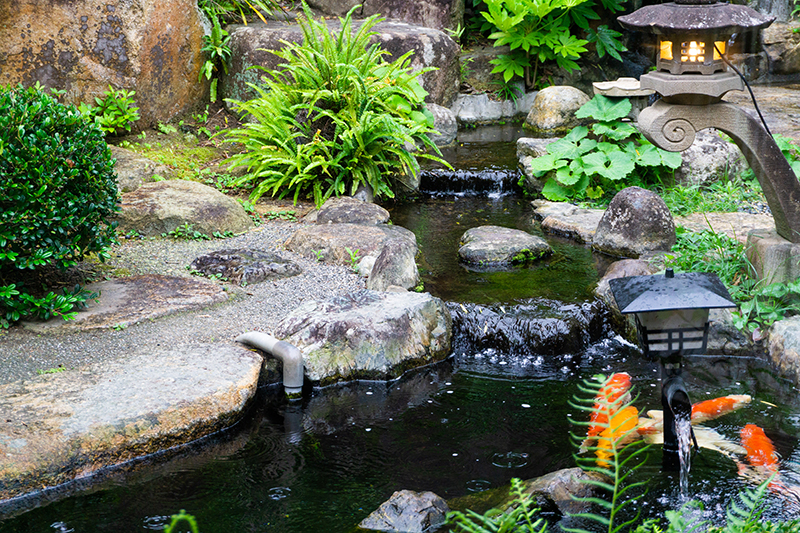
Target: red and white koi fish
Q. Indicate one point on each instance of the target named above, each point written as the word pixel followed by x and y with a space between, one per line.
pixel 711 409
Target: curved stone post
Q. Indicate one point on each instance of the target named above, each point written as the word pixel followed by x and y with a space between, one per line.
pixel 673 127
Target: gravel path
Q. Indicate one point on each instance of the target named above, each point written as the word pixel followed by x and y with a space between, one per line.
pixel 255 307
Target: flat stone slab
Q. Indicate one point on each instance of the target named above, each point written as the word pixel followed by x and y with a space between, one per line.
pixel 245 266
pixel 567 220
pixel 734 225
pixel 58 427
pixel 126 301
pixel 495 246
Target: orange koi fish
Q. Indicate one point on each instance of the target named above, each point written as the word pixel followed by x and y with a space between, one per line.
pixel 760 451
pixel 711 409
pixel 607 401
pixel 620 431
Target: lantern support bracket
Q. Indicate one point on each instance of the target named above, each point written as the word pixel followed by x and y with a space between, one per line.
pixel 673 127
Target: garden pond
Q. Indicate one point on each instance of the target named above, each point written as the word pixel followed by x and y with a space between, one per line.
pixel 457 428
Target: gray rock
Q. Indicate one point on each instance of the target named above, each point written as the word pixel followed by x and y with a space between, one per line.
pixel 251 45
pixel 567 220
pixel 734 225
pixel 408 511
pixel 480 109
pixel 529 149
pixel 560 489
pixel 495 246
pixel 133 170
pixel 160 207
pixel 64 426
pixel 245 266
pixel 710 158
pixel 439 14
pixel 395 265
pixel 774 259
pixel 553 111
pixel 329 242
pixel 782 44
pixel 348 210
pixel 784 347
pixel 152 48
pixel 368 335
pixel 445 124
pixel 126 301
pixel 726 339
pixel 636 221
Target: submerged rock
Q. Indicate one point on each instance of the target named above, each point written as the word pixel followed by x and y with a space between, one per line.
pixel 245 266
pixel 535 327
pixel 368 334
pixel 495 246
pixel 408 511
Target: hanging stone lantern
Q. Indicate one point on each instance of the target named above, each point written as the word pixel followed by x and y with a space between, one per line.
pixel 692 76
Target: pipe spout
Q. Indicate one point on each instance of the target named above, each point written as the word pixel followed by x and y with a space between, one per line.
pixel 677 407
pixel 288 354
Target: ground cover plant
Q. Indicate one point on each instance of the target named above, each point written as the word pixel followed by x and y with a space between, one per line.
pixel 57 191
pixel 605 157
pixel 336 116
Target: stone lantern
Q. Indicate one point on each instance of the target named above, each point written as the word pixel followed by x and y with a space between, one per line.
pixel 692 76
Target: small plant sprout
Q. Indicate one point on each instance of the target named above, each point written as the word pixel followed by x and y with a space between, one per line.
pixel 354 258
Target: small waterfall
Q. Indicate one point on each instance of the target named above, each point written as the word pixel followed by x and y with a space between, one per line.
pixel 492 182
pixel 683 428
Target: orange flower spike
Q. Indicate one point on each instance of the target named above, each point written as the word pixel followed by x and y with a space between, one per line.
pixel 618 385
pixel 760 450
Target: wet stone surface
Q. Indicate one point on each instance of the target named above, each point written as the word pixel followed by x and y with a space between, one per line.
pixel 245 266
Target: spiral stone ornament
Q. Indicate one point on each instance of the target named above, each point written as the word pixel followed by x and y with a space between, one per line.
pixel 678 134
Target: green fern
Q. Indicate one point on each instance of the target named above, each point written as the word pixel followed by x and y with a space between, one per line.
pixel 518 516
pixel 620 460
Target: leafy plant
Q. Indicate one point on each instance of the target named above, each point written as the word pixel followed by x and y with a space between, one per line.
pixel 239 10
pixel 335 117
pixel 113 113
pixel 518 516
pixel 723 196
pixel 767 305
pixel 54 370
pixel 354 257
pixel 281 215
pixel 57 191
pixel 217 49
pixel 182 516
pixel 581 164
pixel 537 31
pixel 615 455
pixel 186 232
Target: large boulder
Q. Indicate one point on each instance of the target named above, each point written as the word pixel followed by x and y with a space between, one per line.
pixel 150 46
pixel 160 207
pixel 495 246
pixel 636 222
pixel 339 243
pixel 553 111
pixel 349 210
pixel 65 426
pixel 710 158
pixel 438 14
pixel 445 124
pixel 368 334
pixel 134 170
pixel 408 511
pixel 784 347
pixel 782 43
pixel 395 266
pixel 252 45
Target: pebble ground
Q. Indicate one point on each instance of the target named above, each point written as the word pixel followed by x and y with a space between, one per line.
pixel 256 307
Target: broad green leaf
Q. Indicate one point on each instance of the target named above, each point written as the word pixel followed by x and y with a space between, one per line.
pixel 546 163
pixel 509 66
pixel 576 134
pixel 563 149
pixel 615 130
pixel 570 174
pixel 604 109
pixel 554 192
pixel 606 42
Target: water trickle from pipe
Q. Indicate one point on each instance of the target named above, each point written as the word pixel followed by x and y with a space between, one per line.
pixel 683 428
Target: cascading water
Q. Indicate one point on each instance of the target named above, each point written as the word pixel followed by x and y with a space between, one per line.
pixel 683 428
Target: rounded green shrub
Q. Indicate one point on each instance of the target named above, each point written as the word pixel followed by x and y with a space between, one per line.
pixel 57 190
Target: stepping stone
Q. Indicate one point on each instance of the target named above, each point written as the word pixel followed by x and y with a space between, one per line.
pixel 245 266
pixel 495 246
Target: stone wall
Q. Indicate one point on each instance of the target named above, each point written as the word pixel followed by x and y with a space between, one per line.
pixel 82 46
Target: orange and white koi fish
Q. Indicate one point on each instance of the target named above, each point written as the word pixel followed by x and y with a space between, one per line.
pixel 760 450
pixel 620 431
pixel 609 398
pixel 711 409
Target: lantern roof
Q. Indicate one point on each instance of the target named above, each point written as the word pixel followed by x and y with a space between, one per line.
pixel 692 16
pixel 670 292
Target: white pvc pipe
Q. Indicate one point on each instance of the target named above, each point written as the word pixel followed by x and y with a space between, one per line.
pixel 287 353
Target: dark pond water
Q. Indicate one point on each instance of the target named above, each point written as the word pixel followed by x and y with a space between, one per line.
pixel 324 463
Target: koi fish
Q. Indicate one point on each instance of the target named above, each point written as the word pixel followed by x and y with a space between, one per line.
pixel 760 450
pixel 620 431
pixel 711 409
pixel 614 393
